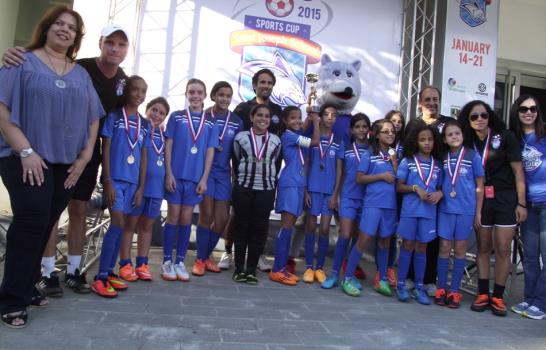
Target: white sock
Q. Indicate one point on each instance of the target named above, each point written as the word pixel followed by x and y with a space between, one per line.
pixel 73 264
pixel 48 265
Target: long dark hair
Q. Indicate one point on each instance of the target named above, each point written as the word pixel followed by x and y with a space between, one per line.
pixel 494 122
pixel 127 87
pixel 515 124
pixel 411 147
pixel 284 115
pixel 218 86
pixel 161 100
pixel 400 135
pixel 376 129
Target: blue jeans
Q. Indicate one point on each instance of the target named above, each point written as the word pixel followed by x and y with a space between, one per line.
pixel 533 232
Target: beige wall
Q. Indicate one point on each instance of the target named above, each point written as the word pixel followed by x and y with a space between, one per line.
pixel 8 21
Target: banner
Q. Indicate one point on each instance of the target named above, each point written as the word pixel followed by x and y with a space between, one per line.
pixel 470 53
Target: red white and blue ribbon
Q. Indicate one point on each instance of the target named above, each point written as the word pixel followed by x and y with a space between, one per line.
pixel 455 174
pixel 195 134
pixel 421 173
pixel 158 150
pixel 485 152
pixel 221 137
pixel 321 149
pixel 132 144
pixel 355 149
pixel 259 153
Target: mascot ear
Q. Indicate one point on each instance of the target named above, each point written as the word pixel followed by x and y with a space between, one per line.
pixel 356 64
pixel 325 59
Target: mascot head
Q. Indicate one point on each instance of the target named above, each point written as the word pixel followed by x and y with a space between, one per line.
pixel 339 84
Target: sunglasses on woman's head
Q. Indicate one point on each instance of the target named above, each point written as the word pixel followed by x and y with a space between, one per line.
pixel 483 115
pixel 523 109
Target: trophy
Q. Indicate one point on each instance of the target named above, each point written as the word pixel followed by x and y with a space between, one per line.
pixel 312 106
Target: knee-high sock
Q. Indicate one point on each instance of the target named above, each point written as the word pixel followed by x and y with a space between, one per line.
pixel 419 264
pixel 282 244
pixel 457 274
pixel 169 236
pixel 353 242
pixel 202 235
pixel 116 253
pixel 309 249
pixel 108 250
pixel 214 237
pixel 339 253
pixel 323 242
pixel 443 267
pixel 382 262
pixel 354 259
pixel 404 261
pixel 392 250
pixel 182 242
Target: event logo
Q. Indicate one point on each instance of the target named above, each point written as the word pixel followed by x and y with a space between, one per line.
pixel 279 8
pixel 532 159
pixel 473 11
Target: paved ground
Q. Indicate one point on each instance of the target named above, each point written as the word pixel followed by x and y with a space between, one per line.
pixel 212 312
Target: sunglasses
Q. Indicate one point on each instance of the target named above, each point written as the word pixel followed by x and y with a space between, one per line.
pixel 483 115
pixel 523 109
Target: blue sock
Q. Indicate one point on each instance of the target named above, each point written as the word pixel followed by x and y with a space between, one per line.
pixel 392 251
pixel 323 242
pixel 281 251
pixel 202 235
pixel 309 249
pixel 141 260
pixel 339 253
pixel 382 262
pixel 354 259
pixel 169 235
pixel 419 263
pixel 443 267
pixel 108 250
pixel 214 237
pixel 182 242
pixel 123 262
pixel 115 255
pixel 404 260
pixel 457 274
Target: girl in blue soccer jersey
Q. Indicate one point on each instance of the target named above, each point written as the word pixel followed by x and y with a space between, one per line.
pixel 350 201
pixel 463 178
pixel 323 185
pixel 214 209
pixel 142 218
pixel 191 140
pixel 124 162
pixel 376 171
pixel 419 179
pixel 291 186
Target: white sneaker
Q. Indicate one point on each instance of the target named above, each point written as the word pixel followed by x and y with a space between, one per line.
pixel 181 273
pixel 409 285
pixel 264 265
pixel 226 261
pixel 431 289
pixel 167 271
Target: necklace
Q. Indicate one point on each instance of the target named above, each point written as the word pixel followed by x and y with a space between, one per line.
pixel 59 82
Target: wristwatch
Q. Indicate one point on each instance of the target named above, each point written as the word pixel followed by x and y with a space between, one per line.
pixel 25 152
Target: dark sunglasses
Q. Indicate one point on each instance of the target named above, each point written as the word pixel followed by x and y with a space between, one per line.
pixel 523 109
pixel 483 115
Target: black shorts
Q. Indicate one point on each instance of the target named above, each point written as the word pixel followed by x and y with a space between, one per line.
pixel 501 210
pixel 86 183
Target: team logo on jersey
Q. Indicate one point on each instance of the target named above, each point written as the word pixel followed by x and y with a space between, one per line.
pixel 463 171
pixel 532 159
pixel 231 132
pixel 496 141
pixel 473 12
pixel 332 153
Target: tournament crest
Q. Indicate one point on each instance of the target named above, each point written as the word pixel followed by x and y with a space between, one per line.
pixel 473 12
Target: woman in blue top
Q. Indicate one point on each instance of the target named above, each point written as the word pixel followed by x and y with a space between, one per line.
pixel 526 122
pixel 49 115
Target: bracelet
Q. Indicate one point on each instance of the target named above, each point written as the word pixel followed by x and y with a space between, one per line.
pixel 523 206
pixel 414 188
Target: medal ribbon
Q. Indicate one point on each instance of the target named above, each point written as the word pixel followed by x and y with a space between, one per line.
pixel 221 137
pixel 259 154
pixel 300 154
pixel 420 171
pixel 132 144
pixel 397 148
pixel 160 149
pixel 322 152
pixel 195 135
pixel 455 174
pixel 485 152
pixel 355 149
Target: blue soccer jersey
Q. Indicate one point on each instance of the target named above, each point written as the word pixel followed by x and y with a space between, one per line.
pixel 408 171
pixel 322 165
pixel 126 144
pixel 351 159
pixel 342 128
pixel 154 187
pixel 188 157
pixel 295 151
pixel 534 166
pixel 378 194
pixel 461 199
pixel 226 133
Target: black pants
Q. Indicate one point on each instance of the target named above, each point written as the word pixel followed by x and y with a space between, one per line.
pixel 431 268
pixel 35 210
pixel 252 210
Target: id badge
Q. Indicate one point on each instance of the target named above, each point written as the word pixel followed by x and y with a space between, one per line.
pixel 489 192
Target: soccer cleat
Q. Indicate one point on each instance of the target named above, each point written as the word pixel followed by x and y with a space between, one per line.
pixel 402 294
pixel 409 284
pixel 360 273
pixel 376 280
pixel 50 286
pixel 357 284
pixel 181 273
pixel 198 268
pixel 291 265
pixel 348 287
pixel 104 289
pixel 534 313
pixel 498 308
pixel 127 272
pixel 421 296
pixel 239 277
pixel 263 264
pixel 211 266
pixel 77 282
pixel 226 261
pixel 391 277
pixel 454 300
pixel 282 277
pixel 519 308
pixel 320 276
pixel 480 303
pixel 440 297
pixel 116 282
pixel 330 282
pixel 383 288
pixel 309 275
pixel 143 272
pixel 292 276
pixel 251 279
pixel 167 271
